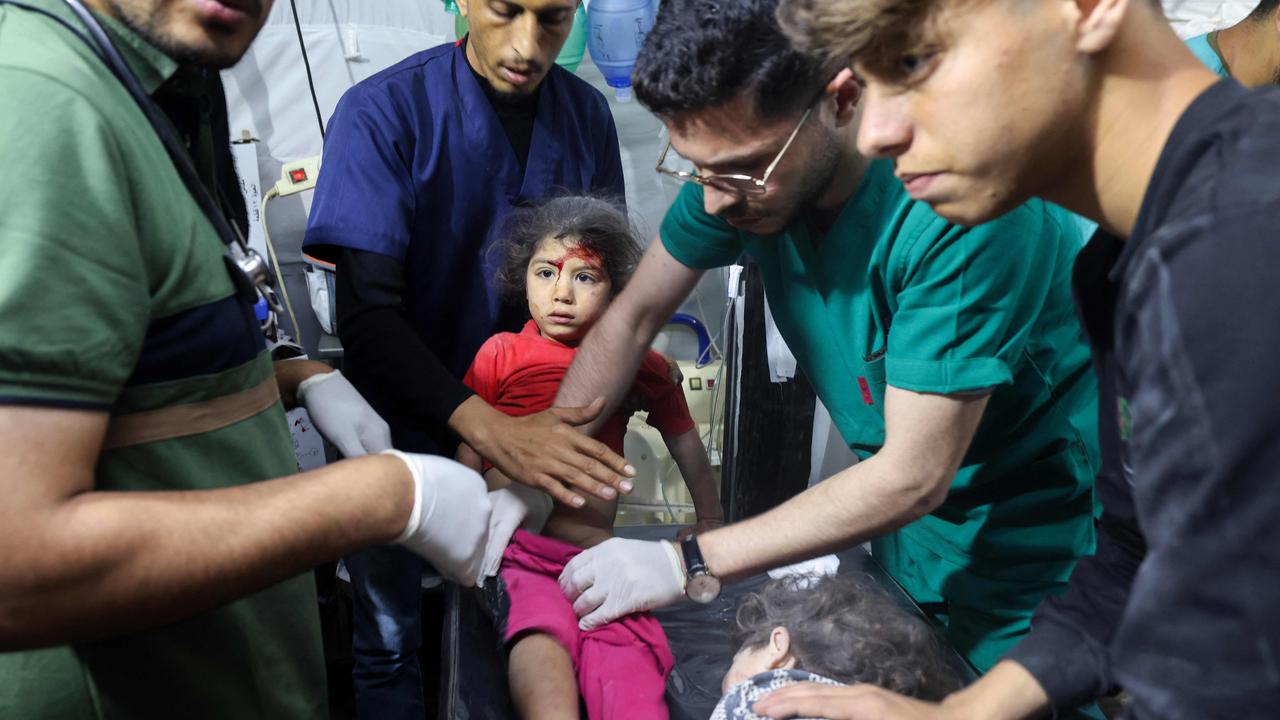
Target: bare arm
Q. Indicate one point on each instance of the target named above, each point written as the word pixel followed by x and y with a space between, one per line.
pixel 290 373
pixel 691 457
pixel 540 450
pixel 608 358
pixel 926 437
pixel 544 451
pixel 82 564
pixel 1007 692
pixel 469 457
pixel 493 477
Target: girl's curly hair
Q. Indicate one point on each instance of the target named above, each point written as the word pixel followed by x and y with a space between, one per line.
pixel 850 631
pixel 595 224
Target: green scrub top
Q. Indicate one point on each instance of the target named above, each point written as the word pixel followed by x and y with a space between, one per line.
pixel 896 295
pixel 114 298
pixel 1205 48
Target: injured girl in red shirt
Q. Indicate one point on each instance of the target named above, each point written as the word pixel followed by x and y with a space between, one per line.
pixel 567 259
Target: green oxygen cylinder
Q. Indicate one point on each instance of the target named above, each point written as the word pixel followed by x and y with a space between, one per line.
pixel 571 54
pixel 459 22
pixel 575 46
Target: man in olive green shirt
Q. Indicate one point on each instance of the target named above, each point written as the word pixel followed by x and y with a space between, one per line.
pixel 155 535
pixel 950 358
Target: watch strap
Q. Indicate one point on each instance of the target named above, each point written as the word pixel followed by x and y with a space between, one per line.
pixel 694 564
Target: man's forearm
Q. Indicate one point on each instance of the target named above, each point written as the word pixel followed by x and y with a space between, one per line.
pixel 1006 692
pixel 106 563
pixel 291 373
pixel 607 361
pixel 926 437
pixel 410 379
pixel 605 364
pixel 864 501
pixel 469 457
pixel 478 423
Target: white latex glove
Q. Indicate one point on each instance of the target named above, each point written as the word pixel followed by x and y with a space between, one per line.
pixel 449 523
pixel 343 416
pixel 619 577
pixel 517 506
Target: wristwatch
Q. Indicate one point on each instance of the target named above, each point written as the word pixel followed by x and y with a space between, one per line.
pixel 701 586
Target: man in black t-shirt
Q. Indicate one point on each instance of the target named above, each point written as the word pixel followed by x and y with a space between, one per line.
pixel 1100 107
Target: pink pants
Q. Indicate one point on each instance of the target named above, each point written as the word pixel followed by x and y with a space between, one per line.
pixel 622 667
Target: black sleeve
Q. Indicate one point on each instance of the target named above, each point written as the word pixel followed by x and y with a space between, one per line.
pixel 1189 623
pixel 376 334
pixel 1067 648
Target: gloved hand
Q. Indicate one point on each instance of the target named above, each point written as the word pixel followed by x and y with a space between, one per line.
pixel 516 506
pixel 449 523
pixel 342 415
pixel 619 577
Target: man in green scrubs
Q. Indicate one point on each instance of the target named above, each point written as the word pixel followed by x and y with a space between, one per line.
pixel 1248 51
pixel 950 358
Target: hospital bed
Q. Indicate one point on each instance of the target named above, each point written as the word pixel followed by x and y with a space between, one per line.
pixel 474 679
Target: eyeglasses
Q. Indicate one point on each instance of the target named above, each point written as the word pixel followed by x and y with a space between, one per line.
pixel 732 183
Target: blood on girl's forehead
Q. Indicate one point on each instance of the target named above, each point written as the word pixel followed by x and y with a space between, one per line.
pixel 586 255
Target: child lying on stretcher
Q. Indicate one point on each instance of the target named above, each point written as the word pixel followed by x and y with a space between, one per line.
pixel 567 259
pixel 829 630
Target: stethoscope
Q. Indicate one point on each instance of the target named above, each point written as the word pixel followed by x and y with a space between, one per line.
pixel 248 270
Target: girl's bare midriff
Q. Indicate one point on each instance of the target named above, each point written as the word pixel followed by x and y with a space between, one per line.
pixel 586 526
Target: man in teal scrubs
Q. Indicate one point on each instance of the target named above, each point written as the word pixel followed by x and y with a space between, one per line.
pixel 950 358
pixel 1248 51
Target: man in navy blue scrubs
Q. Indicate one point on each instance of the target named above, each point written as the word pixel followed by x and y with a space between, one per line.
pixel 421 163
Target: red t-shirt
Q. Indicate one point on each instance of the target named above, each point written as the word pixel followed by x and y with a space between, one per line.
pixel 519 374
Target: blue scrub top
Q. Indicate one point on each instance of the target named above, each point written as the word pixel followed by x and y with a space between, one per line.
pixel 417 166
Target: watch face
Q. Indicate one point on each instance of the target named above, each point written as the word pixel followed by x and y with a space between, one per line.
pixel 703 588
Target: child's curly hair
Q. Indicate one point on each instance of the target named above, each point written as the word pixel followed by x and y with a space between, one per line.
pixel 850 631
pixel 596 224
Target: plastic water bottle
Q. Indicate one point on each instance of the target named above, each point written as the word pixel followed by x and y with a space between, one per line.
pixel 617 30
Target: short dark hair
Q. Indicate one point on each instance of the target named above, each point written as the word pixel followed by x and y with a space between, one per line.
pixel 1263 10
pixel 704 53
pixel 874 31
pixel 850 631
pixel 599 225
